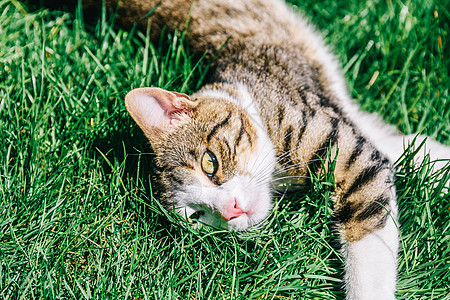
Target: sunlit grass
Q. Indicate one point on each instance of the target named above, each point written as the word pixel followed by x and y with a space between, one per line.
pixel 77 216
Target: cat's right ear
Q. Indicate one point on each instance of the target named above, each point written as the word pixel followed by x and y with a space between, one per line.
pixel 156 110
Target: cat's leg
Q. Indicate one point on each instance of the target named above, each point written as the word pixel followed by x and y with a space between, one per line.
pixel 371 262
pixel 366 213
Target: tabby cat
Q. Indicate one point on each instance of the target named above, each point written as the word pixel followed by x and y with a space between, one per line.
pixel 275 103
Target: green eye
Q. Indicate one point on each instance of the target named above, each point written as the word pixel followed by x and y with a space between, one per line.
pixel 209 163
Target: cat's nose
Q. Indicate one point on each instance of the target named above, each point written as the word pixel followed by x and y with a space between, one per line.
pixel 232 210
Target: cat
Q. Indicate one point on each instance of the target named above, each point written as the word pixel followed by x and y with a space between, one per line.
pixel 275 103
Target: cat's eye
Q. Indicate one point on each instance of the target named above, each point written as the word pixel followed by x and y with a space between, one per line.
pixel 209 163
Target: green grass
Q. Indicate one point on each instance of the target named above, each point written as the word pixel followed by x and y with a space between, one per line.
pixel 77 216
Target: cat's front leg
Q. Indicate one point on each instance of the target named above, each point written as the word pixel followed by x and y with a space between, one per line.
pixel 371 262
pixel 366 213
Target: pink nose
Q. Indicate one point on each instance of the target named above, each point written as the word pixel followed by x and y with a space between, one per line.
pixel 232 210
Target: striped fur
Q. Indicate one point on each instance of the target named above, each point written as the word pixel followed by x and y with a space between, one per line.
pixel 275 102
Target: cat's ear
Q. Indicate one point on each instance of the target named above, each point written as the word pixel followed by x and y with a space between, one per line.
pixel 156 110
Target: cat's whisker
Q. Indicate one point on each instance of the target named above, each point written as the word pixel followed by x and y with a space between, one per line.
pixel 255 169
pixel 290 177
pixel 290 152
pixel 258 170
pixel 274 180
pixel 295 166
pixel 287 153
pixel 262 173
pixel 142 153
pixel 267 153
pixel 277 171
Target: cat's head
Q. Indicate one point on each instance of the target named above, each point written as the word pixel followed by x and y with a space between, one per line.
pixel 214 157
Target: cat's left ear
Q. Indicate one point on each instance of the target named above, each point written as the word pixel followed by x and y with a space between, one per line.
pixel 156 110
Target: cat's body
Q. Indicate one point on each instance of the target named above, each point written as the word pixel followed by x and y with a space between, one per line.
pixel 275 104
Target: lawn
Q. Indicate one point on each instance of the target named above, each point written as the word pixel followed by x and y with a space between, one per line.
pixel 77 215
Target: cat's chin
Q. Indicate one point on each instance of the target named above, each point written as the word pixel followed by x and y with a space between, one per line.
pixel 240 223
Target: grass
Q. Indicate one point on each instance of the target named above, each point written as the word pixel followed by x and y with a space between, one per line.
pixel 77 216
